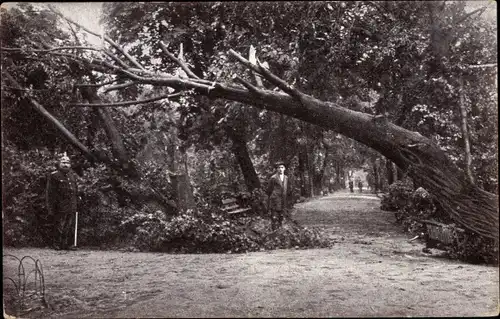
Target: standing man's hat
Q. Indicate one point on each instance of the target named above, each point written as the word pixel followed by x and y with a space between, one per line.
pixel 278 163
pixel 64 158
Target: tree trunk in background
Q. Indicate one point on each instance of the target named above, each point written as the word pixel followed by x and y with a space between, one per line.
pixel 465 134
pixel 339 177
pixel 240 151
pixel 120 156
pixel 320 178
pixel 302 172
pixel 179 177
pixel 399 173
pixel 118 148
pixel 376 182
pixel 390 172
pixel 310 171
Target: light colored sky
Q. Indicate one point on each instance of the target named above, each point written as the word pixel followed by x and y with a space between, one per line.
pixel 86 13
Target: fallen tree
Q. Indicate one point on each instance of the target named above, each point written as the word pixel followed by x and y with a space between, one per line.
pixel 423 160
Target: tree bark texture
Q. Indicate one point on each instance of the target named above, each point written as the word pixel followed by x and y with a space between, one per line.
pixel 240 151
pixel 118 148
pixel 390 172
pixel 465 134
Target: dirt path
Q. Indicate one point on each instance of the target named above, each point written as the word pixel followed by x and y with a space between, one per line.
pixel 371 271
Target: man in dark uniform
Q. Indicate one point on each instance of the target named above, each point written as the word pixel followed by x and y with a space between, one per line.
pixel 278 192
pixel 61 196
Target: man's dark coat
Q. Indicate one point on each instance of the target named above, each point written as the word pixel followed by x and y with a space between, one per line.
pixel 279 193
pixel 61 193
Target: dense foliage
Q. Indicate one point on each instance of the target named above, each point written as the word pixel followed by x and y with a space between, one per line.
pixel 210 231
pixel 412 207
pixel 413 62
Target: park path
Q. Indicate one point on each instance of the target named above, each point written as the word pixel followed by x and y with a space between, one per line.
pixel 371 271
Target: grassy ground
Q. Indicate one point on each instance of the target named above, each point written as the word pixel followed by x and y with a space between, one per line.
pixel 371 271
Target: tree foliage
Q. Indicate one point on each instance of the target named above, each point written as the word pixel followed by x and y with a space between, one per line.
pixel 399 61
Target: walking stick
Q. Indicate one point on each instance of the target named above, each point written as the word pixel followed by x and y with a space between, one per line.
pixel 76 227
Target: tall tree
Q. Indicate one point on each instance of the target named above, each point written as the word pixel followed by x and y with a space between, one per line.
pixel 422 158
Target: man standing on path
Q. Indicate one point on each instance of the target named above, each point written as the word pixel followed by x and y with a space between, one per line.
pixel 351 185
pixel 278 192
pixel 61 196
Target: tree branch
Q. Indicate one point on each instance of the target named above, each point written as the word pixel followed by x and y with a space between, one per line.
pixel 127 103
pixel 269 76
pixel 94 85
pixel 52 49
pixel 178 61
pixel 116 59
pixel 65 132
pixel 468 15
pixel 248 85
pixel 488 65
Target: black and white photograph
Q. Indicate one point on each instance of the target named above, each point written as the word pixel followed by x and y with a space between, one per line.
pixel 242 159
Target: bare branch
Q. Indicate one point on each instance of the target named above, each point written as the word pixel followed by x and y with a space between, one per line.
pixel 468 15
pixel 168 81
pixel 94 85
pixel 488 65
pixel 178 61
pixel 92 61
pixel 248 85
pixel 127 103
pixel 106 38
pixel 116 59
pixel 74 32
pixel 268 75
pixel 21 89
pixel 51 49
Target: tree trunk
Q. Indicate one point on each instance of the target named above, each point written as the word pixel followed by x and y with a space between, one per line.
pixel 376 183
pixel 179 176
pixel 390 172
pixel 310 171
pixel 302 172
pixel 465 135
pixel 62 129
pixel 339 177
pixel 120 155
pixel 240 151
pixel 471 207
pixel 409 150
pixel 399 173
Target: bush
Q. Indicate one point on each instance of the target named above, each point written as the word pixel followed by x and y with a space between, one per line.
pixel 399 194
pixel 23 191
pixel 413 207
pixel 210 231
pixel 421 205
pixel 473 248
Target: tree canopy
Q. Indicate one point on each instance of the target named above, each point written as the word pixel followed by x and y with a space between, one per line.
pixel 390 75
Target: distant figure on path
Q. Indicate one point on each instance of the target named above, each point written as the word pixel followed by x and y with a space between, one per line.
pixel 61 196
pixel 360 186
pixel 351 186
pixel 279 193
